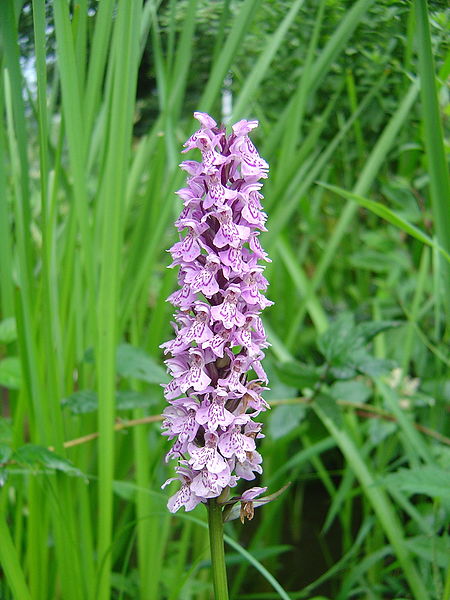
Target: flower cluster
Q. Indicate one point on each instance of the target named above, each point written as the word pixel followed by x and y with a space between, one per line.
pixel 215 363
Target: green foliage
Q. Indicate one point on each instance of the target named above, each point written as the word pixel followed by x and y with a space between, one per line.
pixel 429 480
pixel 32 458
pixel 344 347
pixel 86 401
pixel 135 363
pixel 10 372
pixel 8 330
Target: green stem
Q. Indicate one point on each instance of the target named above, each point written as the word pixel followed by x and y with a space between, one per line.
pixel 11 565
pixel 215 523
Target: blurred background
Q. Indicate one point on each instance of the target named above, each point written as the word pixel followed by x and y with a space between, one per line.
pixel 96 100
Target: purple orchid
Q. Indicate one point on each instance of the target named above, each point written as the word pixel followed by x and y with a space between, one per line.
pixel 215 357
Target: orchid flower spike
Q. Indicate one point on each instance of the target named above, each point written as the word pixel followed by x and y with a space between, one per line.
pixel 215 358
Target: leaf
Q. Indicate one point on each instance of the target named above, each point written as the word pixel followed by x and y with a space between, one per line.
pixel 8 330
pixel 435 550
pixel 5 453
pixel 3 476
pixel 86 401
pixel 129 400
pixel 330 408
pixel 260 553
pixel 124 584
pixel 350 391
pixel 430 480
pixel 125 490
pixel 340 337
pixel 81 402
pixel 390 216
pixel 137 364
pixel 379 430
pixel 6 431
pixel 11 373
pixel 365 363
pixel 35 456
pixel 378 262
pixel 343 345
pixel 284 419
pixel 297 374
pixel 369 329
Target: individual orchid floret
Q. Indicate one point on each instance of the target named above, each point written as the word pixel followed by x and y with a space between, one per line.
pixel 244 506
pixel 228 312
pixel 219 338
pixel 213 413
pixel 185 496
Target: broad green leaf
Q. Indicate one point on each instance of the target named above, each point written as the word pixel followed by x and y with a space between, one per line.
pixel 285 418
pixel 365 363
pixel 369 329
pixel 137 364
pixel 129 400
pixel 433 549
pixel 6 431
pixel 81 402
pixel 10 373
pixel 297 374
pixel 350 391
pixel 328 405
pixel 125 585
pixel 340 338
pixel 379 430
pixel 40 457
pixel 5 453
pixel 430 480
pixel 125 490
pixel 378 261
pixel 343 345
pixel 8 330
pixel 86 401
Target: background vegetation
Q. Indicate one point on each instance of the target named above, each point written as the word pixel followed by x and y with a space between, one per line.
pixel 95 101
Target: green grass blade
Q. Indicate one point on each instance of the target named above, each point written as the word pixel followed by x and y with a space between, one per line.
pixel 434 140
pixel 262 64
pixel 379 502
pixel 6 243
pixel 415 439
pixel 390 216
pixel 251 559
pixel 305 176
pixel 337 41
pixel 76 140
pixel 97 60
pixel 298 106
pixel 11 565
pixel 301 282
pixel 231 46
pixel 112 200
pixel 365 180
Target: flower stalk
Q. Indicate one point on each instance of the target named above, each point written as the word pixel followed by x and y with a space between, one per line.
pixel 215 523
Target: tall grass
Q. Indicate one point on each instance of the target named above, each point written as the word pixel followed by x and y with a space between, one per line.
pixel 85 216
